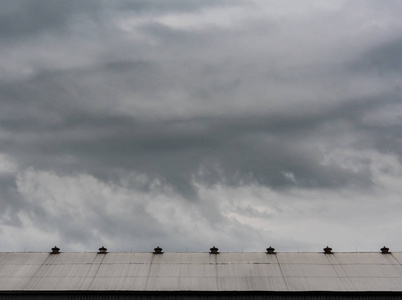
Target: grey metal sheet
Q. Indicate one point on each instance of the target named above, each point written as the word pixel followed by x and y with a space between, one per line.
pixel 57 283
pixel 377 284
pixel 198 270
pixel 125 258
pixel 233 270
pixel 65 270
pixel 193 258
pixel 13 283
pixel 122 270
pixel 233 284
pixel 198 284
pixel 376 271
pixel 308 270
pixel 398 268
pixel 165 270
pixel 73 258
pixel 332 259
pixel 267 284
pixel 361 258
pixel 397 256
pixel 18 270
pixel 63 277
pixel 340 271
pixel 348 284
pixel 119 283
pixel 305 258
pixel 201 271
pixel 163 284
pixel 255 283
pixel 265 270
pixel 244 257
pixel 23 258
pixel 315 284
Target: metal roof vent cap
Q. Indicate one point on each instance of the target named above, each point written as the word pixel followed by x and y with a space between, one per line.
pixel 214 250
pixel 270 250
pixel 158 250
pixel 327 250
pixel 55 250
pixel 102 250
pixel 385 250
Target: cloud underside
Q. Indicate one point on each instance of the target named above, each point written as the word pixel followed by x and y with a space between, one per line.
pixel 135 122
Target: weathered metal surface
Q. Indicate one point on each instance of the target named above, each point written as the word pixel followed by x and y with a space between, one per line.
pixel 376 284
pixel 308 270
pixel 396 256
pixel 294 272
pixel 314 284
pixel 119 295
pixel 25 258
pixel 362 258
pixel 304 258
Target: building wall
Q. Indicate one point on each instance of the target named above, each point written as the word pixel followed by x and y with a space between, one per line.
pixel 200 296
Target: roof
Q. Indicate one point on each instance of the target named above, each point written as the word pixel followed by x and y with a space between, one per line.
pixel 201 272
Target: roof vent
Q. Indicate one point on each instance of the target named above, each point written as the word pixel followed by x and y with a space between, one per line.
pixel 385 250
pixel 55 250
pixel 102 250
pixel 214 250
pixel 327 250
pixel 270 250
pixel 158 250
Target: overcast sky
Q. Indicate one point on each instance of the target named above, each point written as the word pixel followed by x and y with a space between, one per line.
pixel 193 123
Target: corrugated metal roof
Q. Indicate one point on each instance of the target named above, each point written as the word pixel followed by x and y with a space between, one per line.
pixel 201 272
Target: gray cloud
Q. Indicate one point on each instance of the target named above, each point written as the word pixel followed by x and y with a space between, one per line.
pixel 383 60
pixel 22 18
pixel 250 147
pixel 11 201
pixel 193 121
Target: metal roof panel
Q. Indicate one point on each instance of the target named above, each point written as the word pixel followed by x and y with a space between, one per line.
pixel 308 270
pixel 305 258
pixel 72 258
pixel 233 270
pixel 121 270
pixel 198 271
pixel 245 257
pixel 201 271
pixel 265 270
pixel 164 270
pixel 377 284
pixel 198 284
pixel 376 271
pixel 315 284
pixel 13 283
pixel 362 258
pixel 163 284
pixel 17 270
pixel 193 258
pixel 119 283
pixel 23 258
pixel 397 256
pixel 267 284
pixel 125 258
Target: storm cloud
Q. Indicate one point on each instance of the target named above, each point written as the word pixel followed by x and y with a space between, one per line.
pixel 191 123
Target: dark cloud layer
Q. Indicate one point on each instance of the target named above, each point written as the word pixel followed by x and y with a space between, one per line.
pixel 22 18
pixel 186 121
pixel 254 147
